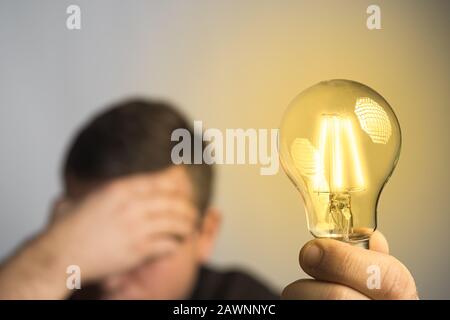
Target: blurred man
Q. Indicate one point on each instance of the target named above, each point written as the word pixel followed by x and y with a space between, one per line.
pixel 139 227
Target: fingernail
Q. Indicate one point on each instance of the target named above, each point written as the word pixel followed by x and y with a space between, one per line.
pixel 312 255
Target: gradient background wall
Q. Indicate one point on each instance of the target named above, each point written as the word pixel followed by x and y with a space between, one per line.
pixel 232 64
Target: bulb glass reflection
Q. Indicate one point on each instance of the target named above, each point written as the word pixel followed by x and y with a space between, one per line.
pixel 339 143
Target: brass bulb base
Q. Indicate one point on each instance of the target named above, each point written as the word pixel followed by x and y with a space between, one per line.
pixel 361 244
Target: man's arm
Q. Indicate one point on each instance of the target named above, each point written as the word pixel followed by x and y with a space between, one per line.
pixel 36 271
pixel 114 229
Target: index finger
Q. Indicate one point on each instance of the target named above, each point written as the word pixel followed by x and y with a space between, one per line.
pixel 340 262
pixel 378 243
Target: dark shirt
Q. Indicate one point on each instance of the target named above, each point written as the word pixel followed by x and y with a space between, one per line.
pixel 211 284
pixel 229 285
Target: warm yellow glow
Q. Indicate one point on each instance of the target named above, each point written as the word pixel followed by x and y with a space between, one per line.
pixel 305 156
pixel 309 161
pixel 336 158
pixel 355 155
pixel 321 183
pixel 339 142
pixel 337 151
pixel 374 120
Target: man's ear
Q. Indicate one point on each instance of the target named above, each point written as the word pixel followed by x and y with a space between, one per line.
pixel 209 230
pixel 61 205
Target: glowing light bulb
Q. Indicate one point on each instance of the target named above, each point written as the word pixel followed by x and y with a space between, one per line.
pixel 339 144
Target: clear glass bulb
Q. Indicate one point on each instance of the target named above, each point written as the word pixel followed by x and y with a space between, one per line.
pixel 339 143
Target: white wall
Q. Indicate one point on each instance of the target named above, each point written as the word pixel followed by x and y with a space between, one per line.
pixel 232 64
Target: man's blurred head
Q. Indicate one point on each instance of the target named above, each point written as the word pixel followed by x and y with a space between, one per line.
pixel 134 137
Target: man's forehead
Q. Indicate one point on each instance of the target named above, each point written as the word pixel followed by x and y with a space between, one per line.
pixel 172 179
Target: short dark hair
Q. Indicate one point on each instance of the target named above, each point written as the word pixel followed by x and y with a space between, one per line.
pixel 133 136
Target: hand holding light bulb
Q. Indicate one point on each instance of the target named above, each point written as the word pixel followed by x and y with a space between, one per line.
pixel 342 271
pixel 339 144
